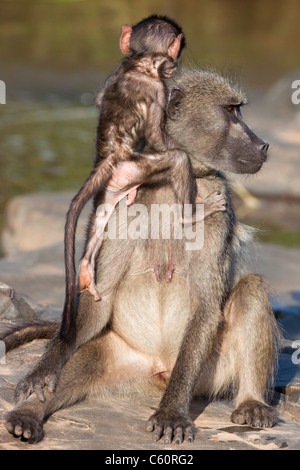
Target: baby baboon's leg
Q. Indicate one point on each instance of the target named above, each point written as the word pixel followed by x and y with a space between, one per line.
pixel 112 197
pixel 81 376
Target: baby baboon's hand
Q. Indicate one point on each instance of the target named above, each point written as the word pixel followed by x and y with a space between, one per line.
pixel 215 202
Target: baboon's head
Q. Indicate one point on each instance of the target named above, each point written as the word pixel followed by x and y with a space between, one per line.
pixel 204 111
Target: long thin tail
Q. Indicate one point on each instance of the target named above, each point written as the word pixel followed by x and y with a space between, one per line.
pixel 92 185
pixel 21 332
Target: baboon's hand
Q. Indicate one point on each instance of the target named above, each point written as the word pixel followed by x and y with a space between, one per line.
pixel 171 428
pixel 35 382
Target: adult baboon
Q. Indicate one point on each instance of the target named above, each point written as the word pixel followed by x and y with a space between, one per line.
pixel 210 328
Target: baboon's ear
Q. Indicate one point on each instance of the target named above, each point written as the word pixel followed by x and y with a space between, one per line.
pixel 174 101
pixel 125 38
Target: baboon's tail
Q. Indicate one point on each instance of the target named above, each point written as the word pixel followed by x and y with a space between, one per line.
pixel 14 334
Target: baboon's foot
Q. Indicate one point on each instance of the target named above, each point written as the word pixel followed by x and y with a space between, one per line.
pixel 24 425
pixel 255 413
pixel 170 429
pixel 36 382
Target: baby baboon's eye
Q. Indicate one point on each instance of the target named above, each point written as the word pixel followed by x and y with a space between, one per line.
pixel 229 108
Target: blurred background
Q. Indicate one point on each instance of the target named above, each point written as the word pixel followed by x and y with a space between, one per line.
pixel 55 54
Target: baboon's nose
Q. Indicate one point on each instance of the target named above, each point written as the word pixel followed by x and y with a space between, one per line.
pixel 264 149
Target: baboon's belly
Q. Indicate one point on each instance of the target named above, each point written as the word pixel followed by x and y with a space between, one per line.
pixel 151 315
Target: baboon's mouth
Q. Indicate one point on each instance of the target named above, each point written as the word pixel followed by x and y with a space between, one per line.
pixel 250 166
pixel 259 163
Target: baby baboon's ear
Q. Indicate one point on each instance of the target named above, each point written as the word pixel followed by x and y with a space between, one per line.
pixel 125 38
pixel 174 49
pixel 174 101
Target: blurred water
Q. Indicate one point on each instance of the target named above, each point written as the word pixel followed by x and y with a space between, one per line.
pixel 45 147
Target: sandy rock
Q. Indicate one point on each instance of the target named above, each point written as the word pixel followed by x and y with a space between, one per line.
pixel 12 305
pixel 35 221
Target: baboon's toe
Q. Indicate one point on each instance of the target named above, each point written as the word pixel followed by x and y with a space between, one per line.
pixel 26 426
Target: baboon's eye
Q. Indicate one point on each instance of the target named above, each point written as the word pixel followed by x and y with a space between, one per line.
pixel 233 108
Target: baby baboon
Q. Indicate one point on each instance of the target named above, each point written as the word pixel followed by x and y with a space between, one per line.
pixel 210 328
pixel 132 110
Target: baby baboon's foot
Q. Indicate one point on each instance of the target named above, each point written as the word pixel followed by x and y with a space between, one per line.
pixel 25 425
pixel 131 197
pixel 36 382
pixel 86 280
pixel 215 202
pixel 170 428
pixel 255 413
pixel 92 290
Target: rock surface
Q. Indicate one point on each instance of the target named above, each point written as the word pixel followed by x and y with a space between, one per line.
pixel 33 278
pixel 35 221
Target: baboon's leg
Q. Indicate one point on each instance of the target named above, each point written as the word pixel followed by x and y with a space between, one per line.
pixel 172 420
pixel 80 375
pixel 245 353
pixel 254 342
pixel 104 362
pixel 92 317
